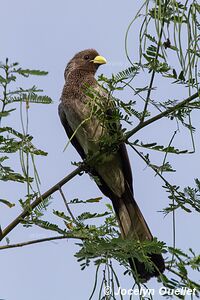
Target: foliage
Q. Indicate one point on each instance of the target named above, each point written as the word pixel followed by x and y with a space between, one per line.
pixel 164 26
pixel 14 143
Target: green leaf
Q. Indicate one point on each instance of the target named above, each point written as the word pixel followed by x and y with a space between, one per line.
pixel 2 79
pixel 32 98
pixel 163 168
pixel 62 215
pixel 156 147
pixel 151 38
pixel 92 200
pixel 174 48
pixel 49 226
pixel 6 202
pixel 152 51
pixel 27 72
pixel 41 207
pixel 13 131
pixel 130 72
pixel 109 206
pixel 2 158
pixel 88 215
pixel 5 113
pixel 181 76
pixel 174 73
pixel 7 174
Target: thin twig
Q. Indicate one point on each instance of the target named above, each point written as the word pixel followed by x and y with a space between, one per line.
pixel 67 206
pixel 182 276
pixel 53 238
pixel 162 114
pixel 152 167
pixel 154 72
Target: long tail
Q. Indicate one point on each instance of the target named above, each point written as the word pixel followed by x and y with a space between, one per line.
pixel 133 225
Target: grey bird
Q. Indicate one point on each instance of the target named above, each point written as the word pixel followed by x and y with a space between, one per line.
pixel 85 130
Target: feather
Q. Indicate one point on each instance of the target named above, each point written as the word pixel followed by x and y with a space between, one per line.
pixel 86 130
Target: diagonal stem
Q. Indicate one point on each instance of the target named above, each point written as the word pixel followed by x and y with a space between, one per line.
pixel 38 200
pixel 67 206
pixel 162 114
pixel 154 72
pixel 68 235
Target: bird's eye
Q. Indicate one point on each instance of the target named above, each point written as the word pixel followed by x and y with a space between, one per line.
pixel 86 57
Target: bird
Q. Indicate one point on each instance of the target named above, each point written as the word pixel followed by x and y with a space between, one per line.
pixel 85 130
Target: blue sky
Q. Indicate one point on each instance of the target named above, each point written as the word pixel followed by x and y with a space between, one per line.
pixel 45 35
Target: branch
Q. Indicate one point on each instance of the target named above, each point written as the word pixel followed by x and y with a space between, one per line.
pixel 162 114
pixel 67 206
pixel 181 276
pixel 38 200
pixel 154 72
pixel 53 238
pixel 168 184
pixel 57 186
pixel 148 164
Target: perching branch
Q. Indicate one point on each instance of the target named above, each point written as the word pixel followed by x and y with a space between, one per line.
pixel 56 187
pixel 38 200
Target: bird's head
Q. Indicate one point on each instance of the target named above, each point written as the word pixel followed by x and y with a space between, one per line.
pixel 87 61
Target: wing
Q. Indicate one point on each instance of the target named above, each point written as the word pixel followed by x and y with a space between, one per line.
pixel 69 131
pixel 101 184
pixel 122 147
pixel 121 155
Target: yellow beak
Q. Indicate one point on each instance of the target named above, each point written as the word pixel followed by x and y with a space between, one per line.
pixel 99 60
